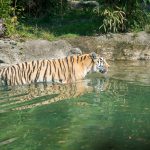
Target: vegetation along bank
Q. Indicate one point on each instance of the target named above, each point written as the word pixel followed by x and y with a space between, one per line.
pixel 118 30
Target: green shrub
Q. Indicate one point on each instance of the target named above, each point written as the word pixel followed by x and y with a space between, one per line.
pixel 9 16
pixel 114 20
pixel 43 8
pixel 119 15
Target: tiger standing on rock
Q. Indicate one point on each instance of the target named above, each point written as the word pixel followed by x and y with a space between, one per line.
pixel 65 70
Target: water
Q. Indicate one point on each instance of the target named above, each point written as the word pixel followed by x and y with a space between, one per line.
pixel 98 113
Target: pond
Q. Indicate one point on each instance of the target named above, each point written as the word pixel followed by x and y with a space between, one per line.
pixel 99 113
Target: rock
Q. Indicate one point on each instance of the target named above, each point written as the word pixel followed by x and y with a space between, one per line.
pixel 43 49
pixel 128 46
pixel 83 4
pixel 2 28
pixel 8 53
pixel 145 55
pixel 74 51
pixel 12 52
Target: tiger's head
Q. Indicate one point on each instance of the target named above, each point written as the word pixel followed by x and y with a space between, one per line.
pixel 99 63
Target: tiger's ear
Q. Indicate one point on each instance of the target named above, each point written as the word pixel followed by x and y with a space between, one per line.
pixel 93 55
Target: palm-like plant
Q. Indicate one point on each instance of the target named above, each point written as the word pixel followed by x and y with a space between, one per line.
pixel 114 20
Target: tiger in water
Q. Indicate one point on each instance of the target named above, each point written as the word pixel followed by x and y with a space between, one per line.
pixel 64 70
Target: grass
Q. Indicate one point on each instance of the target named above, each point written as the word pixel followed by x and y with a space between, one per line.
pixel 57 28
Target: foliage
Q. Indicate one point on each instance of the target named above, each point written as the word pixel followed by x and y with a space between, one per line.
pixel 42 8
pixel 137 15
pixel 70 26
pixel 114 20
pixel 113 15
pixel 9 12
pixel 5 14
pixel 12 10
pixel 119 15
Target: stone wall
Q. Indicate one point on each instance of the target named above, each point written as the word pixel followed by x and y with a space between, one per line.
pixel 129 46
pixel 12 52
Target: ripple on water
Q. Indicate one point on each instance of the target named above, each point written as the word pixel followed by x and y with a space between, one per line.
pixel 98 113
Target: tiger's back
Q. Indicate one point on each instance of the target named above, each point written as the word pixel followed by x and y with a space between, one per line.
pixel 64 70
pixel 31 72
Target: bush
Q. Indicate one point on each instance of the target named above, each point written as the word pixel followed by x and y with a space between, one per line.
pixel 119 15
pixel 114 20
pixel 8 14
pixel 5 13
pixel 43 8
pixel 113 15
pixel 12 10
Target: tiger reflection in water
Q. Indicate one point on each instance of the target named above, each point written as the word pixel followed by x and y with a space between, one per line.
pixel 30 96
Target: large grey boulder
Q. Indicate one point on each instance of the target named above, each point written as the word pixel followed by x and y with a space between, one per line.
pixel 9 51
pixel 82 4
pixel 12 52
pixel 43 49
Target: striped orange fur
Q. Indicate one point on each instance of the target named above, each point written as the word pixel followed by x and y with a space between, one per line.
pixel 65 70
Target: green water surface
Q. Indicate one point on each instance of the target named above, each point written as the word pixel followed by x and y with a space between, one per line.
pixel 113 113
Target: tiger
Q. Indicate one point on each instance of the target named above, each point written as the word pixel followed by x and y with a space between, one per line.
pixel 63 70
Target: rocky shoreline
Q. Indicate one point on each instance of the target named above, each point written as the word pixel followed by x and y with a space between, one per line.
pixel 129 46
pixel 12 52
